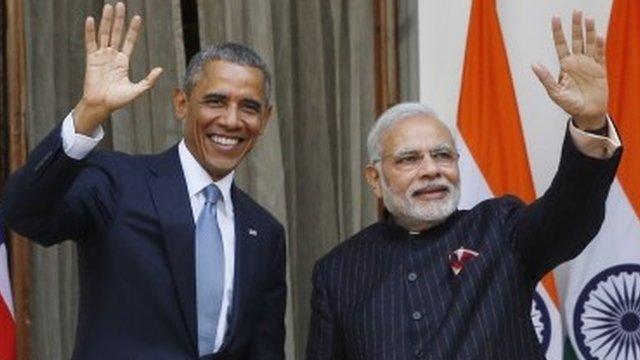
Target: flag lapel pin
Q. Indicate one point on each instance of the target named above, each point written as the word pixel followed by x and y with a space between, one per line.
pixel 459 258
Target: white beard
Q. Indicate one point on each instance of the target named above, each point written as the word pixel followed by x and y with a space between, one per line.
pixel 420 215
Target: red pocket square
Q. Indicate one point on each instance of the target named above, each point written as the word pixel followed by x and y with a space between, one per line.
pixel 459 258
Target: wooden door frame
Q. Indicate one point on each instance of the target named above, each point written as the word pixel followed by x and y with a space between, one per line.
pixel 15 142
pixel 385 35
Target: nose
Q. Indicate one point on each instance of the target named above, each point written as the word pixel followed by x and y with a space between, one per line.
pixel 230 119
pixel 428 168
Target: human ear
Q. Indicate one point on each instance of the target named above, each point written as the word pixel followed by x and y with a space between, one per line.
pixel 372 176
pixel 180 104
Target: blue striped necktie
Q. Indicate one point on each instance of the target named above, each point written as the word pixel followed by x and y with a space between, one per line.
pixel 209 271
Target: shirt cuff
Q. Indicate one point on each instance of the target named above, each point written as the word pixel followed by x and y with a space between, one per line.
pixel 596 146
pixel 75 145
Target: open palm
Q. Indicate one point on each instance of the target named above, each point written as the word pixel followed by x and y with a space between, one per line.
pixel 107 80
pixel 107 86
pixel 581 89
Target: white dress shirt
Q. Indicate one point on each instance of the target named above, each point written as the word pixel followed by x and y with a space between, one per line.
pixel 77 146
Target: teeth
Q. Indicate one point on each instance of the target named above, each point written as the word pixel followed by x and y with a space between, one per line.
pixel 222 140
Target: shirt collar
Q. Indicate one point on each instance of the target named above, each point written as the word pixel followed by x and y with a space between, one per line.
pixel 197 177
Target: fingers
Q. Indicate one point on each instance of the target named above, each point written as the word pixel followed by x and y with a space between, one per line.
pixel 118 25
pixel 577 39
pixel 599 54
pixel 545 77
pixel 90 35
pixel 132 35
pixel 111 27
pixel 105 25
pixel 590 26
pixel 579 45
pixel 558 38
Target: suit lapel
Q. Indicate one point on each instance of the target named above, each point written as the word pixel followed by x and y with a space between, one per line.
pixel 171 199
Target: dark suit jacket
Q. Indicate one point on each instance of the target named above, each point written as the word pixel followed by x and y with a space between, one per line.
pixel 387 294
pixel 132 221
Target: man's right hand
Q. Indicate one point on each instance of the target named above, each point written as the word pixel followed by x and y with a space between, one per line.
pixel 106 82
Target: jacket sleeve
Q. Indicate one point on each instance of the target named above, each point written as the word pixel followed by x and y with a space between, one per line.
pixel 561 223
pixel 54 197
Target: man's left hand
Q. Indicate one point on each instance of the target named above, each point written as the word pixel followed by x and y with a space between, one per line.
pixel 581 89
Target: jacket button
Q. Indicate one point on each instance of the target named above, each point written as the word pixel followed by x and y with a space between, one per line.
pixel 416 315
pixel 418 353
pixel 412 277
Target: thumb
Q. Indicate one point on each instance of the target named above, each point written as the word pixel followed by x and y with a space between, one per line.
pixel 545 77
pixel 148 82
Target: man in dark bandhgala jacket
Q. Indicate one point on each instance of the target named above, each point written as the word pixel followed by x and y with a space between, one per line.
pixel 434 282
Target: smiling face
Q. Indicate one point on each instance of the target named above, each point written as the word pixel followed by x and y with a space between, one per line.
pixel 417 177
pixel 223 115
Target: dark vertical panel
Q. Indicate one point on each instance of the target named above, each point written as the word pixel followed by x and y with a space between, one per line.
pixel 190 27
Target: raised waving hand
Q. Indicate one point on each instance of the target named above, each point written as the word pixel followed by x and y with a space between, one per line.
pixel 581 89
pixel 107 86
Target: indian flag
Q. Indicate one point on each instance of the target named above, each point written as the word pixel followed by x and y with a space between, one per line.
pixel 602 305
pixel 7 321
pixel 493 159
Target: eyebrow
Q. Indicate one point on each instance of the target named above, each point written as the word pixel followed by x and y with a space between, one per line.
pixel 254 104
pixel 410 151
pixel 442 147
pixel 214 96
pixel 405 151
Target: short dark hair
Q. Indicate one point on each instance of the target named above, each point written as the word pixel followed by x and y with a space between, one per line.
pixel 230 52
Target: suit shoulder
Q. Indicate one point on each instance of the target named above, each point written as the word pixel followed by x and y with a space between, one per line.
pixel 117 158
pixel 108 160
pixel 499 207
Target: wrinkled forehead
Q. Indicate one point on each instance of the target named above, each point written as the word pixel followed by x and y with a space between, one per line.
pixel 417 133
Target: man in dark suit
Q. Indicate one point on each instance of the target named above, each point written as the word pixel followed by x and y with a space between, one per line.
pixel 434 282
pixel 175 261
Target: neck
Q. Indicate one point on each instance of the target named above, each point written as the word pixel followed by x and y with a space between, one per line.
pixel 416 225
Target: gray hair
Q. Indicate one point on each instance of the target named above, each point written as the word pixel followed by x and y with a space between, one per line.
pixel 230 52
pixel 388 119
